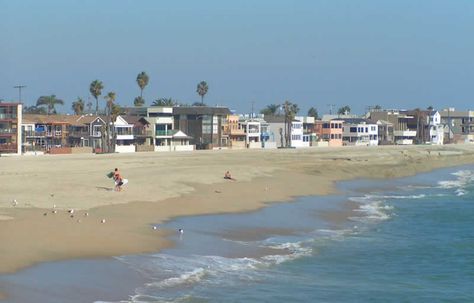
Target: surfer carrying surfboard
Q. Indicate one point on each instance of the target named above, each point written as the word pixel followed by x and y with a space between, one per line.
pixel 118 180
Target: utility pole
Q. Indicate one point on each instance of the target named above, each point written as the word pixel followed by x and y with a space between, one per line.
pixel 251 113
pixel 20 86
pixel 331 107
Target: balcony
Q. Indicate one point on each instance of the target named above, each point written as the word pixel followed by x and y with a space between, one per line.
pixel 6 131
pixel 8 116
pixel 8 147
pixel 79 134
pixel 405 133
pixel 164 133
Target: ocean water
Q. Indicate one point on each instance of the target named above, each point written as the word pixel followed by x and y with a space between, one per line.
pixel 402 240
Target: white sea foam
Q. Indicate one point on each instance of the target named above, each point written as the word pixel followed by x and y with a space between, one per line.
pixel 374 211
pixel 465 178
pixel 420 196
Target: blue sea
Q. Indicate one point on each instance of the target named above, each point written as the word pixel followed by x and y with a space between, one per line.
pixel 399 240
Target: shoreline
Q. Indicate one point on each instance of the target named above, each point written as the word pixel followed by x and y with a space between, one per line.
pixel 31 237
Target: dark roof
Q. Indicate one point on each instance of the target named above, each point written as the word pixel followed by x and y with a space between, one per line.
pixel 355 120
pixel 200 110
pixel 134 119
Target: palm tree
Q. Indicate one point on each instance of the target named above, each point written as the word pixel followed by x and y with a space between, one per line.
pixel 78 106
pixel 34 110
pixel 96 90
pixel 344 110
pixel 110 98
pixel 142 81
pixel 313 112
pixel 270 110
pixel 290 110
pixel 164 102
pixel 49 102
pixel 138 101
pixel 202 89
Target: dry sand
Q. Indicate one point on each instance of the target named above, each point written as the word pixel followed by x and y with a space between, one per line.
pixel 166 185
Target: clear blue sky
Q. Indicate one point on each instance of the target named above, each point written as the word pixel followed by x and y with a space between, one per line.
pixel 400 53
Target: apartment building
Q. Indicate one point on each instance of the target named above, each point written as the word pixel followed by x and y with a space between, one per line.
pixel 10 128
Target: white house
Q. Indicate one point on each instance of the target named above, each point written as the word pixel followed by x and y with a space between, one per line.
pixel 360 133
pixel 297 134
pixel 124 136
pixel 436 129
pixel 166 138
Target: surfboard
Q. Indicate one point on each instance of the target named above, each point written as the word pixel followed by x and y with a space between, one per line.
pixel 124 181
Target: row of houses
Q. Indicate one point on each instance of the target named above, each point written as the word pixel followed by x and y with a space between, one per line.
pixel 196 127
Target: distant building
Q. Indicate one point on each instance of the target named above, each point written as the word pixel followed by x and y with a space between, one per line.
pixel 402 134
pixel 359 132
pixel 428 126
pixel 279 129
pixel 166 136
pixel 458 125
pixel 329 131
pixel 10 128
pixel 203 124
pixel 43 132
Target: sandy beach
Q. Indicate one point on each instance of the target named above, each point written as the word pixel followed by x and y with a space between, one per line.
pixel 167 185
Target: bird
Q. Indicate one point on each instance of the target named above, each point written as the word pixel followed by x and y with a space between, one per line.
pixel 71 211
pixel 54 211
pixel 102 221
pixel 86 214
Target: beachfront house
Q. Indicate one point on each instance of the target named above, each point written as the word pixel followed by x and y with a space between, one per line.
pixel 328 132
pixel 359 132
pixel 42 133
pixel 458 125
pixel 142 133
pixel 10 128
pixel 277 125
pixel 428 126
pixel 203 125
pixel 235 133
pixel 385 133
pixel 309 134
pixel 165 135
pixel 402 134
pixel 124 137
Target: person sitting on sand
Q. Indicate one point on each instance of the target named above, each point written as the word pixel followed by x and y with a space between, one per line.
pixel 228 176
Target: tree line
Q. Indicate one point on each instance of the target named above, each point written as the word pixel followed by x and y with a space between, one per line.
pixel 47 104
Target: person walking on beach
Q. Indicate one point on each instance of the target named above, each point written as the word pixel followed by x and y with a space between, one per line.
pixel 118 180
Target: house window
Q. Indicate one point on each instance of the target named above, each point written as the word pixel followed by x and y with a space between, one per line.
pixel 353 129
pixel 372 128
